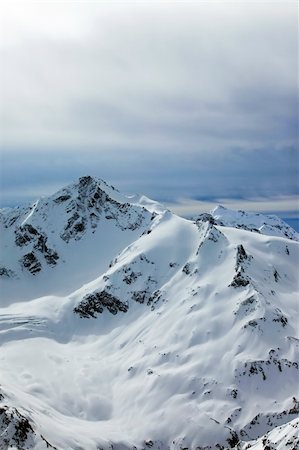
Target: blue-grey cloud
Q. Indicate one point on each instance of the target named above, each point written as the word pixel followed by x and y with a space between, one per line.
pixel 195 100
pixel 238 174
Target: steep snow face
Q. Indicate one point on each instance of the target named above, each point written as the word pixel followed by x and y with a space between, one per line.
pixel 188 339
pixel 264 224
pixel 77 231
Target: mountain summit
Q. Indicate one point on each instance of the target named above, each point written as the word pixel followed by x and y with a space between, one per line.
pixel 76 231
pixel 124 326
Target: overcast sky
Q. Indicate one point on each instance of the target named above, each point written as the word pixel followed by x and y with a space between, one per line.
pixel 191 103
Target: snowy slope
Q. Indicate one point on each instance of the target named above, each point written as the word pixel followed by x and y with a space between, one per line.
pixel 185 338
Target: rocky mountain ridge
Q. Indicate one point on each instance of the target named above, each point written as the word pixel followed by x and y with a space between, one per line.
pixel 259 223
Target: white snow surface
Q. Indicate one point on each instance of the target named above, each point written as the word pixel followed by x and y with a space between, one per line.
pixel 129 327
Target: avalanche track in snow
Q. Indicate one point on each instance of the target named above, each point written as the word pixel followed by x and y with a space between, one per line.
pixel 126 327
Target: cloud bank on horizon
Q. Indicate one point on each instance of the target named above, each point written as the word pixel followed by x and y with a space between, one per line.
pixel 181 101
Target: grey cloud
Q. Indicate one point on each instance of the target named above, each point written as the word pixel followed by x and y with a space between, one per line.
pixel 154 67
pixel 193 99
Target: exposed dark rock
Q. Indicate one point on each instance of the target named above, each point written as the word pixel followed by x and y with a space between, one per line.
pixel 62 198
pixel 234 393
pixel 72 220
pixel 41 244
pixel 140 296
pixel 9 222
pixel 239 281
pixel 143 257
pixel 295 407
pixel 247 306
pixel 79 227
pixel 71 206
pixel 23 427
pixel 25 234
pixel 28 234
pixel 31 263
pixel 255 368
pixel 256 323
pixel 186 269
pixel 233 440
pixel 6 273
pixel 276 275
pixel 131 277
pixel 74 228
pixel 97 302
pixel 30 229
pixel 206 217
pixel 84 181
pixel 280 318
pixel 241 257
pixel 154 298
pixel 51 257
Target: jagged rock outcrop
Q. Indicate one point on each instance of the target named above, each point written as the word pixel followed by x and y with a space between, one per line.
pixel 95 303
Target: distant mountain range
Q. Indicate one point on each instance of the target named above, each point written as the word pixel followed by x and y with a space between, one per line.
pixel 124 326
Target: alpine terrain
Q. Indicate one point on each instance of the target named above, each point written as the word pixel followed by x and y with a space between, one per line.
pixel 126 327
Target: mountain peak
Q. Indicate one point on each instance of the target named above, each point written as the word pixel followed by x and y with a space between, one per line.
pixel 42 236
pixel 84 186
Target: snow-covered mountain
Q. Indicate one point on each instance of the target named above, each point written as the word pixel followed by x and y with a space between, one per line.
pixel 124 326
pixel 69 237
pixel 259 223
